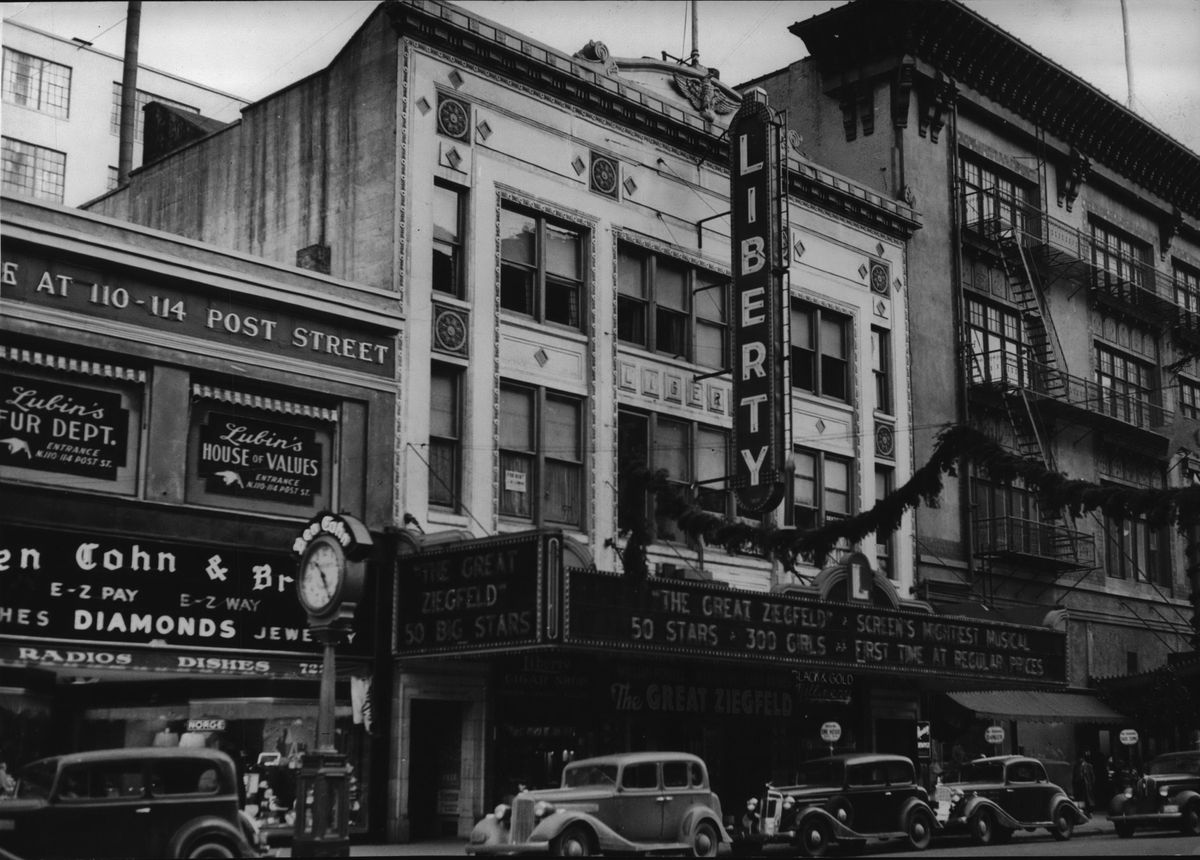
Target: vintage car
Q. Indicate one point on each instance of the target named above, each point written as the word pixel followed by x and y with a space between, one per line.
pixel 628 803
pixel 994 797
pixel 841 800
pixel 137 802
pixel 1168 796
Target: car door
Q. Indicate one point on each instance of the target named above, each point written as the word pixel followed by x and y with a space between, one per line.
pixel 183 789
pixel 101 810
pixel 867 791
pixel 640 802
pixel 683 787
pixel 1024 798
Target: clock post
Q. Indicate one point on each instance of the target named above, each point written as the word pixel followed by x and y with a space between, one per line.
pixel 332 550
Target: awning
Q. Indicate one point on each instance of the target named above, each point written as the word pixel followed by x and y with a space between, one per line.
pixel 1038 706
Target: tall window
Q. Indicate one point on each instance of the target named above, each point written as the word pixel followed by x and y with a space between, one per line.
pixel 1189 398
pixel 1126 386
pixel 541 267
pixel 36 83
pixel 541 456
pixel 670 307
pixel 885 483
pixel 445 436
pixel 1009 513
pixel 881 366
pixel 1135 550
pixel 990 193
pixel 33 171
pixel 820 490
pixel 1119 255
pixel 694 456
pixel 1187 288
pixel 998 353
pixel 820 351
pixel 447 239
pixel 139 109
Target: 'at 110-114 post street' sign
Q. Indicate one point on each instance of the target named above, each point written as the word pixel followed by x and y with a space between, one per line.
pixel 759 380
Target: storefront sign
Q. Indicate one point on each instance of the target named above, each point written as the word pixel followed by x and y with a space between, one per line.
pixel 1128 737
pixel 831 732
pixel 83 658
pixel 924 741
pixel 708 621
pixel 993 735
pixel 671 698
pixel 76 587
pixel 260 459
pixel 483 594
pixel 820 686
pixel 54 427
pixel 759 382
pixel 165 306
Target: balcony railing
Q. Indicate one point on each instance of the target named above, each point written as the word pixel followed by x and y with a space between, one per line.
pixel 1011 371
pixel 1034 541
pixel 991 215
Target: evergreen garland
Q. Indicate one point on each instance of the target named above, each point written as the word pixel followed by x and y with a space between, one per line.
pixel 956 443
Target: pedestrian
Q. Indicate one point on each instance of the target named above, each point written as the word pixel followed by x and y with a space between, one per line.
pixel 1085 783
pixel 8 785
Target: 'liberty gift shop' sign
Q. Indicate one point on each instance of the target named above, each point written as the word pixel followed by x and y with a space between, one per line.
pixel 261 459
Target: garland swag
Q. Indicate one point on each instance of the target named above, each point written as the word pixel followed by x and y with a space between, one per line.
pixel 1178 506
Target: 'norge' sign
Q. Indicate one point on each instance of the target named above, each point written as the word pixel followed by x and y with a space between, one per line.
pixel 759 389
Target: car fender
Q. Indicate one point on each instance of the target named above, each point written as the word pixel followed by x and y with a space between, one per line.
pixel 916 803
pixel 974 804
pixel 1081 817
pixel 488 831
pixel 209 824
pixel 839 830
pixel 552 825
pixel 1184 797
pixel 697 814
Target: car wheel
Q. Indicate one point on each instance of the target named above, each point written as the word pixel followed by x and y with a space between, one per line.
pixel 841 809
pixel 575 841
pixel 919 830
pixel 1064 823
pixel 815 838
pixel 705 840
pixel 209 847
pixel 1124 829
pixel 1189 825
pixel 984 828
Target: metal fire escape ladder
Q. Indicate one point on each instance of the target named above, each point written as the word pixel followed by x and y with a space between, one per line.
pixel 1045 377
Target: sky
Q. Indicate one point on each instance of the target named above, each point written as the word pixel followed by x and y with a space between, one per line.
pixel 251 48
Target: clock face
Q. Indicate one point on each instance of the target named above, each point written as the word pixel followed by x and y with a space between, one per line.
pixel 321 572
pixel 452 117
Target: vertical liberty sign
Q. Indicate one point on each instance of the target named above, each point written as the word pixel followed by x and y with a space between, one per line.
pixel 759 395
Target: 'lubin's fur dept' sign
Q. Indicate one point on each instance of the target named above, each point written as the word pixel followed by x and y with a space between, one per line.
pixel 499 595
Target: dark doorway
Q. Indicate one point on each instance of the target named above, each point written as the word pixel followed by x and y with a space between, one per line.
pixel 898 737
pixel 435 765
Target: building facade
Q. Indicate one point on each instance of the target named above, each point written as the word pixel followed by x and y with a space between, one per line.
pixel 1056 280
pixel 573 567
pixel 62 113
pixel 172 418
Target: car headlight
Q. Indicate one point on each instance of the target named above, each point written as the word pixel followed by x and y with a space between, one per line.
pixel 1128 792
pixel 752 804
pixel 502 810
pixel 1163 791
pixel 788 803
pixel 956 796
pixel 542 808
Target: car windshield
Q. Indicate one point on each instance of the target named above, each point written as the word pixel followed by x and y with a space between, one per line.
pixel 591 774
pixel 1175 764
pixel 982 771
pixel 821 772
pixel 36 780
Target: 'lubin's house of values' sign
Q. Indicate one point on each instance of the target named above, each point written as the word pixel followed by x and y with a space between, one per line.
pixel 759 382
pixel 263 459
pixel 168 307
pixel 61 428
pixel 74 587
pixel 499 595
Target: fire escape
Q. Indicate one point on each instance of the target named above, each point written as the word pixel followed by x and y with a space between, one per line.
pixel 1033 387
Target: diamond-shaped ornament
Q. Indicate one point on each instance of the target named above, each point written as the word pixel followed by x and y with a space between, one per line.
pixel 423 105
pixel 820 425
pixel 578 166
pixel 453 158
pixel 484 130
pixel 541 357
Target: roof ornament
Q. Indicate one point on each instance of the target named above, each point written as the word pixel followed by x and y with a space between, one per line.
pixel 704 94
pixel 597 52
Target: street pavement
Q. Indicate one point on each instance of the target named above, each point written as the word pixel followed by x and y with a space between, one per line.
pixel 455 846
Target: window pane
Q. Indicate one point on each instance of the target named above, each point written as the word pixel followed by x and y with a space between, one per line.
pixel 562 429
pixel 562 302
pixel 632 451
pixel 802 335
pixel 445 214
pixel 711 460
pixel 516 288
pixel 516 419
pixel 631 320
pixel 804 481
pixel 837 487
pixel 443 473
pixel 670 332
pixel 670 282
pixel 671 449
pixel 709 297
pixel 443 405
pixel 516 482
pixel 631 272
pixel 833 377
pixel 562 251
pixel 833 336
pixel 518 237
pixel 710 345
pixel 564 492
